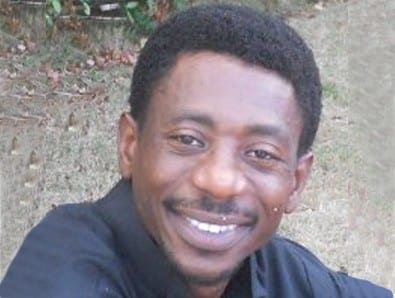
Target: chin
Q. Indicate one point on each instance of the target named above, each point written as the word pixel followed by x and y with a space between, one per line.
pixel 198 269
pixel 207 280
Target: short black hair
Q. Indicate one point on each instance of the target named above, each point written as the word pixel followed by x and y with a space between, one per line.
pixel 253 37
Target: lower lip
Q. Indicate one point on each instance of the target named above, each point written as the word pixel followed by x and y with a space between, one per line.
pixel 207 241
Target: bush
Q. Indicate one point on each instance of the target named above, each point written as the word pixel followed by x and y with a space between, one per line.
pixel 142 15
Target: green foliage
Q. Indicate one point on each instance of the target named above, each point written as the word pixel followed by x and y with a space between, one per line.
pixel 142 15
pixel 57 7
pixel 54 8
pixel 87 8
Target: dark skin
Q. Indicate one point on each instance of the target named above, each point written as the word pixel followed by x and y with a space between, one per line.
pixel 215 166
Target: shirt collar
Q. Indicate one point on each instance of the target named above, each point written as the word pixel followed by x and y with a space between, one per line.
pixel 136 247
pixel 257 275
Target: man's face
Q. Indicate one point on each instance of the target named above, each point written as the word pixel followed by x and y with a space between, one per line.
pixel 215 165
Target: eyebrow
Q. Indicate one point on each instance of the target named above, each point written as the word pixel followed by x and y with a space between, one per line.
pixel 194 117
pixel 265 130
pixel 268 130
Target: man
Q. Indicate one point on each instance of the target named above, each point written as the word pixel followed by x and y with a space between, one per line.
pixel 217 147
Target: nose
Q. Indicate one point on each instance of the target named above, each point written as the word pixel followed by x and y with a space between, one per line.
pixel 219 174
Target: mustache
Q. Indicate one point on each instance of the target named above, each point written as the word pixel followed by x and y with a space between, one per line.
pixel 208 204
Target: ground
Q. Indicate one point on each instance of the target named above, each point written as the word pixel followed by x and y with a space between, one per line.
pixel 58 128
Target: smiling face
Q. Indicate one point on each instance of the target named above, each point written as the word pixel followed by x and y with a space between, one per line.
pixel 215 165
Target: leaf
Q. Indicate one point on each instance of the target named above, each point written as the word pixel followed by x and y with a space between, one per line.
pixel 87 8
pixel 131 5
pixel 129 16
pixel 48 20
pixel 56 6
pixel 151 5
pixel 53 77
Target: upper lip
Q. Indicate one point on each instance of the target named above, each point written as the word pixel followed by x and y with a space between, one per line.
pixel 215 218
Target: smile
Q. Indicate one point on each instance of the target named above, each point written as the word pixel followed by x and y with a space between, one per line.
pixel 210 228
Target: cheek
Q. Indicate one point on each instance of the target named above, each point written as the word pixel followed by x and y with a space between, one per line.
pixel 275 191
pixel 275 194
pixel 161 171
pixel 267 226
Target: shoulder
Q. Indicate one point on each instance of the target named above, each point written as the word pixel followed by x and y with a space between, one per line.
pixel 310 275
pixel 65 254
pixel 72 229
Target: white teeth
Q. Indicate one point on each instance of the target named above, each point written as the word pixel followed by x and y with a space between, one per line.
pixel 211 228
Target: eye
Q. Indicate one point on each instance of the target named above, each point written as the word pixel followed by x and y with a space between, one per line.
pixel 260 154
pixel 186 144
pixel 188 140
pixel 262 159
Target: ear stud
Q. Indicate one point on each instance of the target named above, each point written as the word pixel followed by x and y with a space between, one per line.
pixel 275 209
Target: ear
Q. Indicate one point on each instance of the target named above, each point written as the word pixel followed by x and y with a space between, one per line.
pixel 127 143
pixel 302 173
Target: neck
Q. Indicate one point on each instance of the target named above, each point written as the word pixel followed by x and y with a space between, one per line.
pixel 214 291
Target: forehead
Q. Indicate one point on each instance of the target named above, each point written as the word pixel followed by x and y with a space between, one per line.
pixel 227 89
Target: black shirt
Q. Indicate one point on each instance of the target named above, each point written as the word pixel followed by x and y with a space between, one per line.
pixel 101 250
